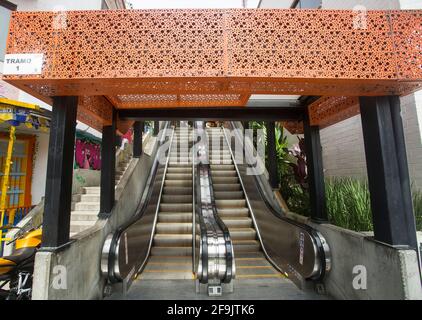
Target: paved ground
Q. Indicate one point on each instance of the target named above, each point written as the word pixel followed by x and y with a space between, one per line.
pixel 254 289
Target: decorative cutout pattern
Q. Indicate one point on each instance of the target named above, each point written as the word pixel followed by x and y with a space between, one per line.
pixel 329 110
pixel 162 58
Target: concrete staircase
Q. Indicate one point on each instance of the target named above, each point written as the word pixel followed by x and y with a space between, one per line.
pixel 233 210
pixel 171 252
pixel 86 206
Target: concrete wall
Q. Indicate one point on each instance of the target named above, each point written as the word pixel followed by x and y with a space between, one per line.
pixel 81 259
pixel 391 273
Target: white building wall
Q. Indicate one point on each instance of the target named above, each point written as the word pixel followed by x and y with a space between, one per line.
pixel 369 4
pixel 47 5
pixel 39 170
pixel 342 143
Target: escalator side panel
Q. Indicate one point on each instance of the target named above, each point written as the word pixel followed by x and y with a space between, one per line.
pixel 290 246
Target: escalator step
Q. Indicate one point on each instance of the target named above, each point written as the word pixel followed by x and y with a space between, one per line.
pixel 220 195
pixel 236 212
pixel 245 246
pixel 171 251
pixel 242 233
pixel 225 180
pixel 174 228
pixel 178 190
pixel 171 217
pixel 179 170
pixel 179 176
pixel 176 198
pixel 222 167
pixel 176 207
pixel 230 203
pixel 237 222
pixel 224 173
pixel 173 240
pixel 226 187
pixel 178 183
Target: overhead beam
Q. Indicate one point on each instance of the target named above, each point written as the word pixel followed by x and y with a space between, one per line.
pixel 205 114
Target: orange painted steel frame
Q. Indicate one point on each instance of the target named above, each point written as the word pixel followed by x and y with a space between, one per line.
pixel 205 58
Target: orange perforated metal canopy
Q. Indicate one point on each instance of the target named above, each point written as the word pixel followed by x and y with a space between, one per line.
pixel 207 58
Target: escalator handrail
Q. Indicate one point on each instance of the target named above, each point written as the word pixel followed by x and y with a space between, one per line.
pixel 202 275
pixel 227 238
pixel 142 205
pixel 320 241
pixel 140 209
pixel 157 210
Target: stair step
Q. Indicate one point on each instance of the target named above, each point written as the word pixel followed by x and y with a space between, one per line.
pixel 90 198
pixel 176 207
pixel 231 203
pixel 87 206
pixel 178 190
pixel 91 190
pixel 84 216
pixel 174 228
pixel 224 173
pixel 226 187
pixel 242 233
pixel 221 167
pixel 225 180
pixel 179 170
pixel 178 183
pixel 238 222
pixel 171 251
pixel 233 212
pixel 233 195
pixel 179 176
pixel 245 246
pixel 171 217
pixel 220 161
pixel 173 240
pixel 166 198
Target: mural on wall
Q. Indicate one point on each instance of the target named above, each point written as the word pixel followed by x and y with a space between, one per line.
pixel 87 153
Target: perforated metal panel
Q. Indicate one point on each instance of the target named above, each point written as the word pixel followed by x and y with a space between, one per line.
pixel 147 58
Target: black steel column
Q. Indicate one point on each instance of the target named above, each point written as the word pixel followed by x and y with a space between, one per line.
pixel 138 128
pixel 156 127
pixel 315 167
pixel 272 155
pixel 108 168
pixel 388 175
pixel 58 190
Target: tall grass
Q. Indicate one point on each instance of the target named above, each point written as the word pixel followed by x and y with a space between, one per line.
pixel 417 207
pixel 348 204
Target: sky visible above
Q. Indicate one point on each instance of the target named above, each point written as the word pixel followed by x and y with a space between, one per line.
pixel 191 4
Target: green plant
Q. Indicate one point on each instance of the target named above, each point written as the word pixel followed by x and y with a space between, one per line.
pixel 417 207
pixel 348 203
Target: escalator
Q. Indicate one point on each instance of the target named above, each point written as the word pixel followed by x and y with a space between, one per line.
pixel 203 217
pixel 171 252
pixel 233 210
pixel 175 233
